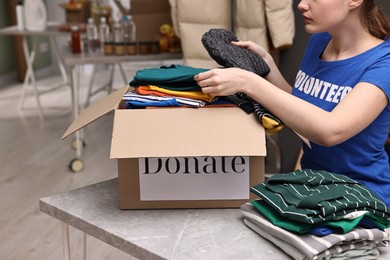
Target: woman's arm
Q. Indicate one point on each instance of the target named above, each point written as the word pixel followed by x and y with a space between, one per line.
pixel 354 113
pixel 275 77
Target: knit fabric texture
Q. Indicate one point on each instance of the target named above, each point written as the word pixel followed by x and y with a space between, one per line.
pixel 218 44
pixel 270 122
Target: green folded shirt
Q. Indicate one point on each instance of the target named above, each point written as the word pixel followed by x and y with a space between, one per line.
pixel 311 197
pixel 342 225
pixel 174 77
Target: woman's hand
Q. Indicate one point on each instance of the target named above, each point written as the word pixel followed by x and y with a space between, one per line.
pixel 255 48
pixel 275 77
pixel 223 82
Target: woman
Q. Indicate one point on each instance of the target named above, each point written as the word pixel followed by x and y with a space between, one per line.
pixel 340 99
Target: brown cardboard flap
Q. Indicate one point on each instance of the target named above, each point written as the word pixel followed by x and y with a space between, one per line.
pixel 96 110
pixel 186 132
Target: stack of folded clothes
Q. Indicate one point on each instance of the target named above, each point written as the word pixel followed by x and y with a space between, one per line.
pixel 174 86
pixel 319 215
pixel 166 86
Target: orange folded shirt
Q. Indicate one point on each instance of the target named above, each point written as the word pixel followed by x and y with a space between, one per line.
pixel 161 92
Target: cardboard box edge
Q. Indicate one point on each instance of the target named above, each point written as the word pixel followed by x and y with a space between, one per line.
pixel 95 111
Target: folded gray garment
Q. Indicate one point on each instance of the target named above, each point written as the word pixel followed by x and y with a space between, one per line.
pixel 368 251
pixel 286 247
pixel 218 44
pixel 314 247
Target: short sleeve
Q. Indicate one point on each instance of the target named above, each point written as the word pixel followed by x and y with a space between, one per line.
pixel 378 74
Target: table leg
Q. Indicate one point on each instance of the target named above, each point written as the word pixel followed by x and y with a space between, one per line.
pixel 65 241
pixel 60 59
pixel 91 82
pixel 75 101
pixel 76 165
pixel 30 79
pixel 125 79
pixel 30 75
pixel 85 246
pixel 112 72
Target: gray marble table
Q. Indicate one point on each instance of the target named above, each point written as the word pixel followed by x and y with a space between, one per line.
pixel 157 234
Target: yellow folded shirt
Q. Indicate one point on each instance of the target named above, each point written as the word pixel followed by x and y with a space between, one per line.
pixel 270 125
pixel 187 94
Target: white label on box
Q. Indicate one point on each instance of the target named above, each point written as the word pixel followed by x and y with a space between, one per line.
pixel 194 178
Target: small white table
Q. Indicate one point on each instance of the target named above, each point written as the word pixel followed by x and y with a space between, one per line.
pixel 52 32
pixel 156 234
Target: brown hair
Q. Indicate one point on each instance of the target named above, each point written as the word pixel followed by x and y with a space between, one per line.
pixel 375 21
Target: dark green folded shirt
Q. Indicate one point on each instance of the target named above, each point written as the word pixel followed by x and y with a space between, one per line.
pixel 174 77
pixel 316 196
pixel 341 226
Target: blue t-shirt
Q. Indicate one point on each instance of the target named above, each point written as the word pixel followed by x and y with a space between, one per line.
pixel 324 84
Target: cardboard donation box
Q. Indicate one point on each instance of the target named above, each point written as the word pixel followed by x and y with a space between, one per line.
pixel 182 157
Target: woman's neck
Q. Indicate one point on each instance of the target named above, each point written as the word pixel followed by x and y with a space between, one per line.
pixel 349 45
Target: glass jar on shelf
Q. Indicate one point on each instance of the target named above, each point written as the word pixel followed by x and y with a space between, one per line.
pixel 108 45
pixel 119 45
pixel 104 33
pixel 75 39
pixel 129 34
pixel 92 35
